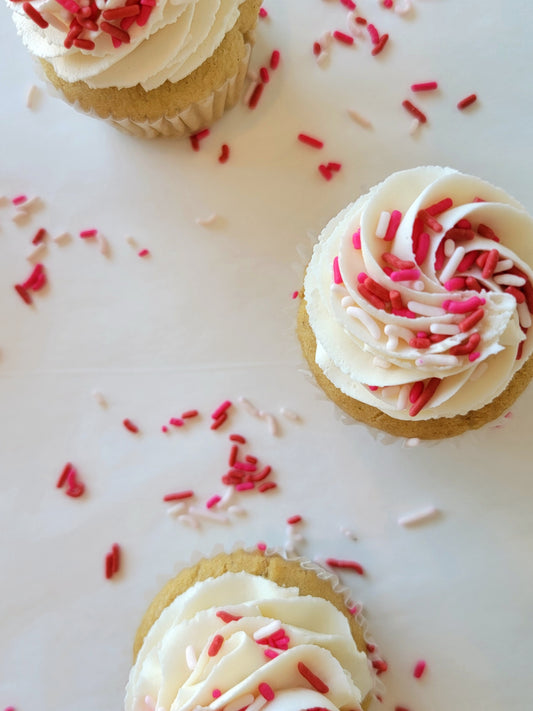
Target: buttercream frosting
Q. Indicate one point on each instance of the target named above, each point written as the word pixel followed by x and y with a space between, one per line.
pixel 166 40
pixel 423 282
pixel 207 651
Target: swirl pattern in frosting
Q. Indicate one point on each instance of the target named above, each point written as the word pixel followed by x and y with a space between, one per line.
pixel 239 639
pixel 119 43
pixel 420 294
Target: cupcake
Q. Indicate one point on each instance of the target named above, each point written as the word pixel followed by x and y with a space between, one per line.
pixel 249 630
pixel 417 303
pixel 150 67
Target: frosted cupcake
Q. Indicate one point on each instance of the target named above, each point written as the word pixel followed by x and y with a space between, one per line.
pixel 151 67
pixel 248 630
pixel 417 304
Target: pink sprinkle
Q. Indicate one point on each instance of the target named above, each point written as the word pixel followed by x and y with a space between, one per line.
pixel 19 199
pixel 144 253
pixel 374 34
pixel 178 495
pixel 337 278
pixel 263 12
pixel 294 519
pixel 356 239
pixel 274 59
pixel 244 486
pixel 343 37
pixel 87 234
pixel 380 45
pixel 266 486
pixel 221 409
pixel 353 610
pixel 216 644
pixel 266 691
pixel 349 4
pixel 245 466
pixel 295 294
pixel 75 487
pixel 473 356
pixel 190 413
pixel 394 223
pixel 439 207
pixel 314 680
pixel 270 653
pixel 388 4
pixel 425 86
pixel 419 669
pixel 467 101
pixel 310 141
pixel 128 424
pixel 227 616
pixel 261 546
pixel 405 275
pixel 263 73
pixel 216 693
pixel 176 422
pixel 164 428
pixel 462 307
pixel 219 421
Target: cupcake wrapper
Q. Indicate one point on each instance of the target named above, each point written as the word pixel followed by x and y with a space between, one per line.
pixel 195 117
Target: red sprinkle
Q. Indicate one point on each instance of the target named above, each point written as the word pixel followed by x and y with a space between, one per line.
pixel 266 486
pixel 179 495
pixel 274 59
pixel 294 519
pixel 215 645
pixel 19 200
pixel 374 34
pixel 314 680
pixel 227 616
pixel 64 474
pixel 237 438
pixel 425 396
pixel 439 207
pixel 310 141
pixel 24 295
pixel 263 73
pixel 414 111
pixel 425 86
pixel 224 153
pixel 233 455
pixel 345 565
pixel 325 171
pixel 380 665
pixel 219 421
pixel 144 253
pixel 39 236
pixel 256 95
pixel 87 234
pixel 115 32
pixel 419 669
pixel 467 101
pixel 128 424
pixel 221 409
pixel 343 37
pixel 115 554
pixel 75 488
pixel 380 45
pixel 189 413
pixel 349 4
pixel 34 15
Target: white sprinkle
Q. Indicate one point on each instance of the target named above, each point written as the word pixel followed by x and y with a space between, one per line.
pixel 381 362
pixel 32 96
pixel 36 252
pixel 227 497
pixel 445 329
pixel 412 442
pixel 394 333
pixel 62 238
pixel 367 321
pixel 446 361
pixel 100 399
pixel 177 509
pixel 272 424
pixel 267 630
pixel 402 8
pixel 339 289
pixel 258 704
pixel 190 657
pixel 509 280
pixel 523 314
pixel 132 242
pixel 290 414
pixel 383 223
pixel 103 245
pixel 250 409
pixel 425 309
pixel 361 120
pixel 403 397
pixel 325 39
pixel 479 371
pixel 452 264
pixel 418 285
pixel 413 128
pixel 236 510
pixel 449 247
pixel 418 516
pixel 242 702
pixel 321 59
pixel 189 520
pixel 347 301
pixel 206 221
pixel 348 533
pixel 208 514
pixel 503 265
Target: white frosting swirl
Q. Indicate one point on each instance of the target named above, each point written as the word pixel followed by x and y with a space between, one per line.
pixel 318 636
pixel 375 346
pixel 178 36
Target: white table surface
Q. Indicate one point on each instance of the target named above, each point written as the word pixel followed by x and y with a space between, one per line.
pixel 209 316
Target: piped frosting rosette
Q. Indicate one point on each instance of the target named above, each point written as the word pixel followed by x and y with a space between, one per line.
pixel 121 43
pixel 242 641
pixel 420 294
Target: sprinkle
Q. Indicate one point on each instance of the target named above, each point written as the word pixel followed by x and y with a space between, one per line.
pixel 261 546
pixel 345 565
pixel 190 657
pixel 34 15
pixel 275 59
pixel 337 278
pixel 419 669
pixel 420 516
pixel 374 34
pixel 325 171
pixel 32 96
pixel 208 514
pixel 470 321
pixel 356 239
pixel 368 322
pixel 380 665
pixel 270 653
pixel 425 309
pixel 349 4
pixel 216 644
pixel 294 519
pixel 63 476
pixel 237 438
pixel 179 495
pixel 24 295
pixel 266 486
pixel 361 120
pixel 405 275
pixel 263 12
pixel 112 561
pixel 216 693
pixel 264 75
pixel 206 221
pixel 414 111
pixel 439 207
pixel 75 487
pixel 87 234
pixel 256 95
pixel 212 501
pixel 425 396
pixel 343 37
pixel 380 45
pixel 262 474
pixel 99 397
pixel 128 424
pixel 241 703
pixel 453 262
pixel 19 200
pixel 383 223
pixel 221 409
pixel 224 153
pixel 310 141
pixel 463 307
pixel 467 101
pixel 143 253
pixel 392 228
pixel 425 86
pixel 266 691
pixel 314 680
pixel 267 630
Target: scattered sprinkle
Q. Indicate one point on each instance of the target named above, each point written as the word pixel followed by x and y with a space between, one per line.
pixel 345 565
pixel 206 221
pixel 361 120
pixel 224 153
pixel 467 101
pixel 420 516
pixel 419 669
pixel 310 140
pixel 179 495
pixel 414 111
pixel 128 424
pixel 425 86
pixel 112 561
pixel 32 96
